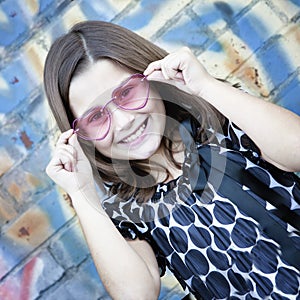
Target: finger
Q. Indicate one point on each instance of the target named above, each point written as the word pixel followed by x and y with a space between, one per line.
pixel 165 72
pixel 66 157
pixel 170 71
pixel 64 137
pixel 155 65
pixel 55 167
pixel 64 160
pixel 156 76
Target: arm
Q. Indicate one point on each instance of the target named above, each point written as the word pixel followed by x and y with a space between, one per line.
pixel 128 270
pixel 275 130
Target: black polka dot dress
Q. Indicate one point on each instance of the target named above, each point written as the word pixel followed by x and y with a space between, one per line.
pixel 228 228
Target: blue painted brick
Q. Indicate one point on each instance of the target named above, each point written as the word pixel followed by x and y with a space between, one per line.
pixel 275 62
pixel 53 10
pixel 45 4
pixel 15 23
pixel 18 137
pixel 57 210
pixel 94 10
pixel 253 28
pixel 141 15
pixel 70 248
pixel 28 181
pixel 186 32
pixel 19 84
pixel 289 96
pixel 218 12
pixel 38 115
pixel 84 283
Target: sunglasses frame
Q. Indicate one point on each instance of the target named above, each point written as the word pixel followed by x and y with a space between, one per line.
pixel 137 75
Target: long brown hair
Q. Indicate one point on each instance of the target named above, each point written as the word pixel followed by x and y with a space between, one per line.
pixel 90 41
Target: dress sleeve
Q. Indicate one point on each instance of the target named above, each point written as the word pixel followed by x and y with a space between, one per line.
pixel 236 139
pixel 131 227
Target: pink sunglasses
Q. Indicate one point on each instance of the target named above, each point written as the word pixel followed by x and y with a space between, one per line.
pixel 95 123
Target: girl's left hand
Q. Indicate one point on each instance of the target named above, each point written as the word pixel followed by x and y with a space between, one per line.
pixel 182 69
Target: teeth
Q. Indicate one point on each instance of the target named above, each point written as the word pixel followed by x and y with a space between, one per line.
pixel 134 136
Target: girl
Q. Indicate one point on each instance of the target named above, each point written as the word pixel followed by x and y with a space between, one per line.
pixel 195 174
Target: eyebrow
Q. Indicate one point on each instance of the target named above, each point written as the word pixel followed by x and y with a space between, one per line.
pixel 86 113
pixel 121 84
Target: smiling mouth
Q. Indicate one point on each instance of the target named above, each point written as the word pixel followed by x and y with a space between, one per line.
pixel 136 134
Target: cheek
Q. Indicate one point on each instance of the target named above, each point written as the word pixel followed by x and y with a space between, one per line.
pixel 104 146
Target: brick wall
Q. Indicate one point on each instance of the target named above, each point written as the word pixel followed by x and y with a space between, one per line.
pixel 42 250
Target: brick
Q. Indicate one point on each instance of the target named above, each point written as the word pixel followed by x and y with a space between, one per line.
pixel 257 25
pixel 261 74
pixel 50 272
pixel 185 32
pixel 288 97
pixel 69 248
pixel 28 181
pixel 20 18
pixel 7 209
pixel 17 82
pixel 14 24
pixel 289 8
pixel 16 139
pixel 254 77
pixel 218 14
pixel 35 276
pixel 39 115
pixel 237 44
pixel 71 16
pixel 225 55
pixel 6 161
pixel 84 284
pixel 289 43
pixel 104 10
pixel 33 228
pixel 149 16
pixel 33 58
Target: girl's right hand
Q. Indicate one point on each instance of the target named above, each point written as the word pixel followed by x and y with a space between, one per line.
pixel 69 167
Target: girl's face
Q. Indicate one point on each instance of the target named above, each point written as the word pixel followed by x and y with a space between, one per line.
pixel 133 134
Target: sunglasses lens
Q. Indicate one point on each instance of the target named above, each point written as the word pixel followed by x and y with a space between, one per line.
pixel 94 125
pixel 133 94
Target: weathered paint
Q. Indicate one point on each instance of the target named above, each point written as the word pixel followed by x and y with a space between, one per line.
pixel 42 249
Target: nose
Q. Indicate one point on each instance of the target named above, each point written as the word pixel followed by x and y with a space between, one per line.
pixel 121 119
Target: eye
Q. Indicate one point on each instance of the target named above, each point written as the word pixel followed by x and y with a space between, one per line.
pixel 126 92
pixel 95 116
